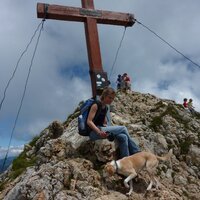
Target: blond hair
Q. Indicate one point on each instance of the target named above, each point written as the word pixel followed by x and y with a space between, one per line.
pixel 106 92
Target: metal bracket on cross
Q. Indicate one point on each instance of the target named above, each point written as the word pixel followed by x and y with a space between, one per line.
pixel 100 80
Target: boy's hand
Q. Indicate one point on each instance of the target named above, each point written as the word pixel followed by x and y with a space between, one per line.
pixel 103 134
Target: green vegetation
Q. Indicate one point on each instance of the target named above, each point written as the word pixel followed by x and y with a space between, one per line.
pixel 180 106
pixel 185 145
pixel 197 115
pixel 170 110
pixel 199 135
pixel 158 106
pixel 20 164
pixel 173 174
pixel 2 186
pixel 171 146
pixel 71 117
pixel 34 140
pixel 156 122
pixel 122 110
pixel 185 193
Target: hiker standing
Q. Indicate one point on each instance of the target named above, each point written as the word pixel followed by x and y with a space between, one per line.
pixel 99 130
pixel 127 82
pixel 185 103
pixel 119 82
pixel 191 107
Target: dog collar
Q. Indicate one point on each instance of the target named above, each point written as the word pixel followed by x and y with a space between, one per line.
pixel 116 166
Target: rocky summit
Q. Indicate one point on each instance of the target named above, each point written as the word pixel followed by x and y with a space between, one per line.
pixel 59 164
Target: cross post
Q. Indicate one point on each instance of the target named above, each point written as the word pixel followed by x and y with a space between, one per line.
pixel 90 17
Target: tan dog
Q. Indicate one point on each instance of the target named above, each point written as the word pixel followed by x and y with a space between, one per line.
pixel 130 166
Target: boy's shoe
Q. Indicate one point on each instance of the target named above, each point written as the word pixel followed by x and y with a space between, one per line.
pixel 110 136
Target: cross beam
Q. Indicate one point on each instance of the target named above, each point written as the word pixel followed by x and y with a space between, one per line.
pixel 67 13
pixel 90 17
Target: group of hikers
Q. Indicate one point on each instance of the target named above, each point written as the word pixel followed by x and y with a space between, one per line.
pixel 123 82
pixel 189 105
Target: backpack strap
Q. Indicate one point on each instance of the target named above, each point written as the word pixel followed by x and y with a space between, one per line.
pixel 99 108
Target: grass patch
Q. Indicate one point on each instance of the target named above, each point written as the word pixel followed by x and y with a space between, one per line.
pixel 199 135
pixel 185 146
pixel 172 111
pixel 158 105
pixel 34 140
pixel 156 122
pixel 71 117
pixel 197 115
pixel 180 106
pixel 2 186
pixel 20 164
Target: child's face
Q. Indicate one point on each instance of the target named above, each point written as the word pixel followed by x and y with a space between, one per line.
pixel 109 99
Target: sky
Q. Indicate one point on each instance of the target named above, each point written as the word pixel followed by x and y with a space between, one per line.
pixel 59 77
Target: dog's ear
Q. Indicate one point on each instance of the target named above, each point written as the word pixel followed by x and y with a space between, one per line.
pixel 110 169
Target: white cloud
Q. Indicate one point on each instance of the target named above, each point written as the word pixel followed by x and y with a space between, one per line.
pixel 13 151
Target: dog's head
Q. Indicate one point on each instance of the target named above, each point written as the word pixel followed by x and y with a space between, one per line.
pixel 109 169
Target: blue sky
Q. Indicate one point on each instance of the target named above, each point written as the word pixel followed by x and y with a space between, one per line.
pixel 59 78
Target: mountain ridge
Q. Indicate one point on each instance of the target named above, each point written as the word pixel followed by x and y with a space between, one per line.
pixel 60 164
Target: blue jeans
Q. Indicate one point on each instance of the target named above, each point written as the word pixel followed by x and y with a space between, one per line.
pixel 126 145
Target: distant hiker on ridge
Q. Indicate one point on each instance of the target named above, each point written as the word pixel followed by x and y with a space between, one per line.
pixel 127 82
pixel 119 82
pixel 191 107
pixel 185 103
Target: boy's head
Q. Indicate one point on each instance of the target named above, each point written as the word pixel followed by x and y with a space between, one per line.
pixel 109 94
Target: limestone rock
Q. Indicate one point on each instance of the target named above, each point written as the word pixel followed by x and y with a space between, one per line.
pixel 66 166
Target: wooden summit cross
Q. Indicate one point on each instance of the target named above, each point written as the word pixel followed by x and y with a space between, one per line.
pixel 90 17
